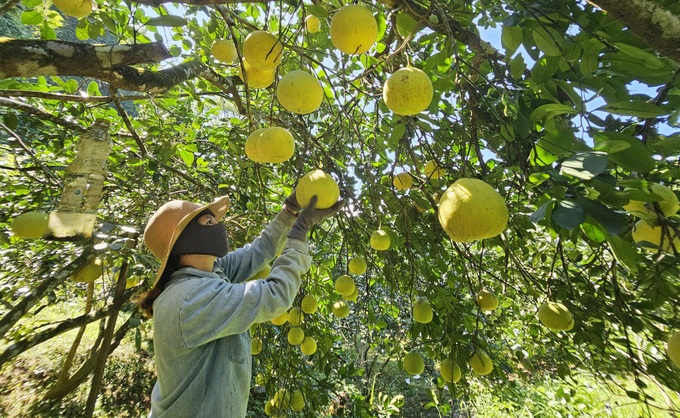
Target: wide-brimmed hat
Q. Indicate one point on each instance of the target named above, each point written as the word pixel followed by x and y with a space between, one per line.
pixel 169 221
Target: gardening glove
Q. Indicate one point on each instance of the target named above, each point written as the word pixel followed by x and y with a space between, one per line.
pixel 292 203
pixel 311 216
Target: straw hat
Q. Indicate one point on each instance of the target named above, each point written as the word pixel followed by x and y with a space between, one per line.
pixel 169 221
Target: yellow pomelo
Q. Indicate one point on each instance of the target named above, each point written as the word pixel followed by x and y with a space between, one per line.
pixel 353 29
pixel 270 408
pixel 295 316
pixel 486 300
pixel 669 205
pixel 295 336
pixel 357 265
pixel 30 225
pixel 257 79
pixel 251 145
pixel 299 92
pixel 75 8
pixel 308 346
pixel 262 50
pixel 644 233
pixel 340 309
pixel 309 304
pixel 89 272
pixel 422 312
pixel 281 319
pixel 255 346
pixel 281 398
pixel 318 183
pixel 470 209
pixel 132 281
pixel 297 401
pixel 433 170
pixel 450 370
pixel 673 348
pixel 275 145
pixel 380 240
pixel 312 23
pixel 408 91
pixel 224 50
pixel 262 274
pixel 402 181
pixel 352 296
pixel 480 362
pixel 344 285
pixel 555 316
pixel 414 363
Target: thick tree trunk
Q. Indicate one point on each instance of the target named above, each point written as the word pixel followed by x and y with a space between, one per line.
pixel 34 57
pixel 657 26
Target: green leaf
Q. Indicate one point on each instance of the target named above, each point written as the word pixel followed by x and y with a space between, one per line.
pixel 538 178
pixel 612 146
pixel 317 11
pixel 613 222
pixel 649 60
pixel 511 38
pixel 31 3
pixel 624 252
pixel 406 24
pixel 551 110
pixel 517 66
pixel 542 210
pixel 593 232
pixel 634 158
pixel 187 157
pixel 568 214
pixel 666 147
pixel 546 41
pixel 544 69
pixel 167 20
pixel 585 165
pixel 638 109
pixel 382 25
pixel 589 64
pixel 397 132
pixel 31 17
pixel 93 89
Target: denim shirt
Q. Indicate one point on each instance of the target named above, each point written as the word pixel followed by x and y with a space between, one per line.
pixel 201 323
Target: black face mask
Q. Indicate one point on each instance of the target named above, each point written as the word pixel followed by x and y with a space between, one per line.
pixel 202 239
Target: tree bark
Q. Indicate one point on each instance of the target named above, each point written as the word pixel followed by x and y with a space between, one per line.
pixel 649 20
pixel 34 57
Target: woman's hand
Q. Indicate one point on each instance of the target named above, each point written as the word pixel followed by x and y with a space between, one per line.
pixel 311 216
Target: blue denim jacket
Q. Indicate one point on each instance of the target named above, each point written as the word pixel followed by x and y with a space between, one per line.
pixel 201 322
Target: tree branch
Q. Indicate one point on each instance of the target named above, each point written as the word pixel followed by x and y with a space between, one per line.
pixel 199 2
pixel 7 6
pixel 23 107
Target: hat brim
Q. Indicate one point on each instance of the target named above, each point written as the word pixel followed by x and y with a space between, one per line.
pixel 219 207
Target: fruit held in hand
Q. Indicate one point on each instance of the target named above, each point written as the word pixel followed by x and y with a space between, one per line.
pixel 30 225
pixel 413 363
pixel 380 240
pixel 318 183
pixel 224 50
pixel 422 312
pixel 555 316
pixel 408 91
pixel 262 50
pixel 353 29
pixel 480 362
pixel 299 92
pixel 470 210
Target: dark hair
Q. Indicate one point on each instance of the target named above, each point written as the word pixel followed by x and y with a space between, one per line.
pixel 146 299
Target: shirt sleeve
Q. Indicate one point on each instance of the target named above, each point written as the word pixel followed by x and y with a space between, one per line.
pixel 243 263
pixel 216 308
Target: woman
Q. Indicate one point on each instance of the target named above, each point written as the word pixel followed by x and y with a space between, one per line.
pixel 202 308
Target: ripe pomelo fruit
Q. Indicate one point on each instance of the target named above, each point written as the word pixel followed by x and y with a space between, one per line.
pixel 295 316
pixel 271 409
pixel 318 183
pixel 644 233
pixel 262 274
pixel 257 79
pixel 408 91
pixel 309 304
pixel 353 29
pixel 281 319
pixel 340 309
pixel 297 401
pixel 357 265
pixel 555 316
pixel 251 145
pixel 470 209
pixel 450 370
pixel 312 23
pixel 89 272
pixel 255 346
pixel 402 181
pixel 422 312
pixel 414 363
pixel 308 346
pixel 75 8
pixel 433 170
pixel 486 300
pixel 480 362
pixel 352 296
pixel 281 398
pixel 275 145
pixel 669 205
pixel 224 50
pixel 30 225
pixel 673 348
pixel 380 240
pixel 295 336
pixel 262 50
pixel 299 92
pixel 344 285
